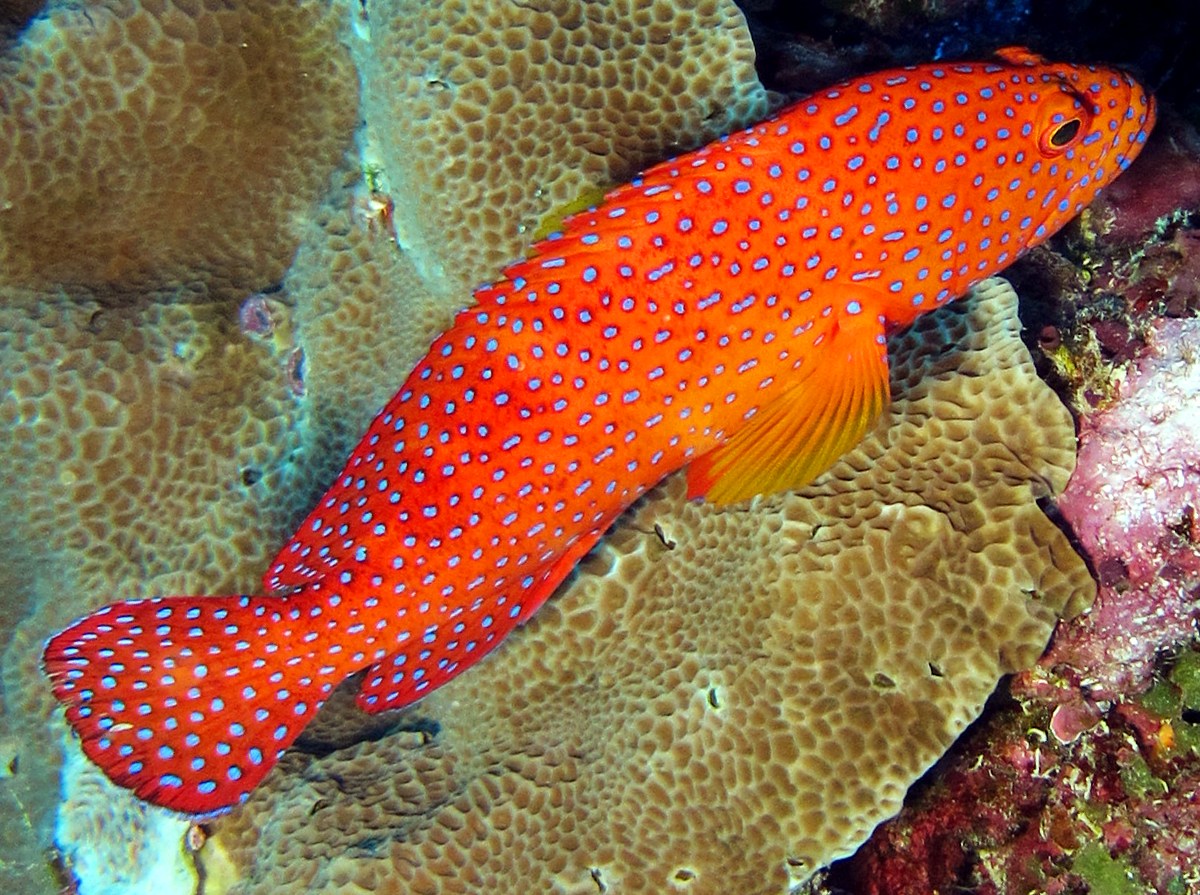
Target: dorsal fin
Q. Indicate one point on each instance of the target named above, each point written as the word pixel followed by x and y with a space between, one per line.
pixel 1019 56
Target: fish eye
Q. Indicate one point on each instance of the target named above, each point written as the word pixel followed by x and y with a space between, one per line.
pixel 1065 133
pixel 1063 121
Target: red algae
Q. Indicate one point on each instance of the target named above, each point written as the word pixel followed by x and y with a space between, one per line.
pixel 1012 809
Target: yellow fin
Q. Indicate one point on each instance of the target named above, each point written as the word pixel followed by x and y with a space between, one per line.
pixel 554 219
pixel 837 396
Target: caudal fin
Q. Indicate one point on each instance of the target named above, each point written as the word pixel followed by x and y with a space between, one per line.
pixel 189 702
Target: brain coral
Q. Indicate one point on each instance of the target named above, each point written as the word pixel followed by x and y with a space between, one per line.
pixel 719 701
pixel 151 143
pixel 489 115
pixel 145 450
pixel 150 444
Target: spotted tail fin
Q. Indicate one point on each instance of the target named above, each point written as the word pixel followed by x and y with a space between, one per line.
pixel 190 701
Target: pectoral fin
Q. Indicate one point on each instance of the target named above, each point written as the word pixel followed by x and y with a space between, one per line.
pixel 835 399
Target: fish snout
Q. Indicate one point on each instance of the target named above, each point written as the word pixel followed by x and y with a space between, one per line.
pixel 1140 116
pixel 1150 106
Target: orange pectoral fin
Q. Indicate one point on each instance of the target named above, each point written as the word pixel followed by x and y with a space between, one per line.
pixel 803 431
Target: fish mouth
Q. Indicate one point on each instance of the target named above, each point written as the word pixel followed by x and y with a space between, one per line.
pixel 1141 101
pixel 1132 130
pixel 1151 111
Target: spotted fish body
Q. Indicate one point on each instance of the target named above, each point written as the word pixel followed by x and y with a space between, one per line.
pixel 726 311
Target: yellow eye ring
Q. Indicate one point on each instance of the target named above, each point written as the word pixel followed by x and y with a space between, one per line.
pixel 1059 136
pixel 1065 133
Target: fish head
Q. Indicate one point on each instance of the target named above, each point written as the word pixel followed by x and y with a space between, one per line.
pixel 1019 147
pixel 1085 124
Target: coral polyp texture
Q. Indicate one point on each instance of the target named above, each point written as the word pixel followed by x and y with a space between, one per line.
pixel 491 115
pixel 145 450
pixel 721 700
pixel 144 144
pixel 203 302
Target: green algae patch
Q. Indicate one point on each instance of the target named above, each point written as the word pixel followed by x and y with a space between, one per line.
pixel 1186 676
pixel 1163 698
pixel 553 221
pixel 1171 696
pixel 1177 886
pixel 1104 874
pixel 1139 780
pixel 1187 737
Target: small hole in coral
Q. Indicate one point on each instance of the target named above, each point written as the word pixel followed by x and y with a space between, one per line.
pixel 713 699
pixel 294 372
pixel 683 875
pixel 196 836
pixel 935 670
pixel 251 476
pixel 882 681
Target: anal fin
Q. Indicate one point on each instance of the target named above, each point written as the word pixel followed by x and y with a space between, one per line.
pixel 401 678
pixel 839 392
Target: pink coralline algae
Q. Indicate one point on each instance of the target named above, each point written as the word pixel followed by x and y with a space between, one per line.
pixel 254 316
pixel 1132 503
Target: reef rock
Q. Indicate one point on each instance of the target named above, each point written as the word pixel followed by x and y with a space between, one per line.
pixel 1134 505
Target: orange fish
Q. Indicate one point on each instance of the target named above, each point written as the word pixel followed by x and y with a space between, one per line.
pixel 726 311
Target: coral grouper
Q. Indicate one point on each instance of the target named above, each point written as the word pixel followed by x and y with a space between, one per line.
pixel 726 311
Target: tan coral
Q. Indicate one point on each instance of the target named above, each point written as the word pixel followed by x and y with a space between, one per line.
pixel 720 701
pixel 146 450
pixel 150 143
pixel 139 418
pixel 146 441
pixel 363 317
pixel 489 116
